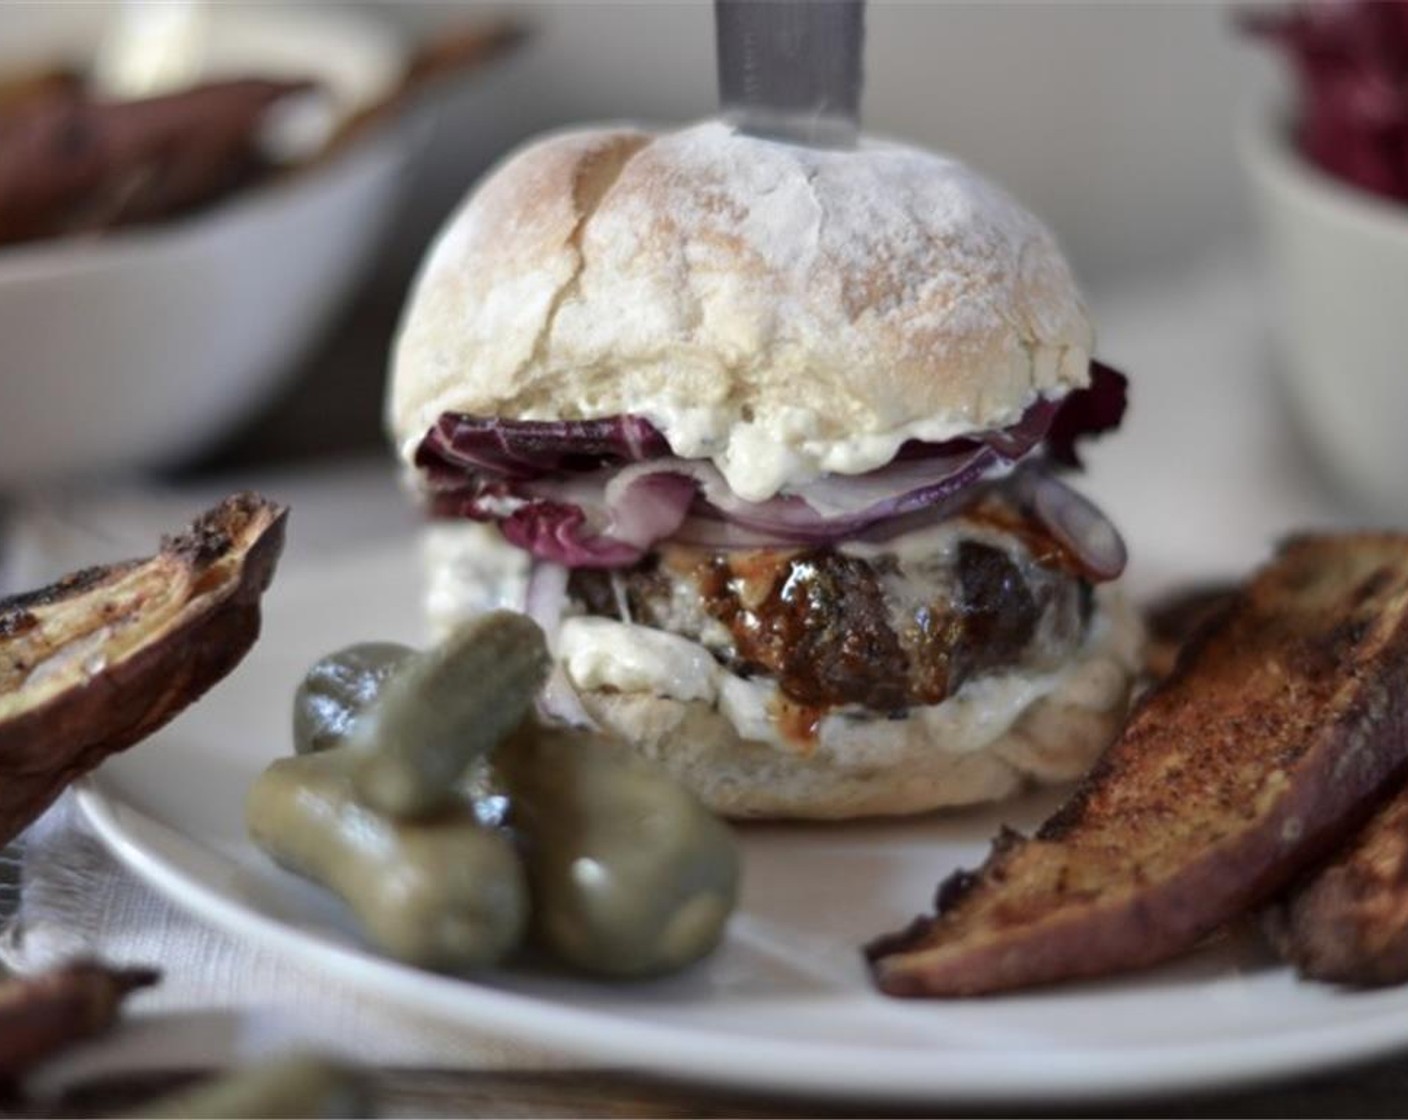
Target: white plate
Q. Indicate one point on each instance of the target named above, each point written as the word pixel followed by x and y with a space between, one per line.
pixel 785 1005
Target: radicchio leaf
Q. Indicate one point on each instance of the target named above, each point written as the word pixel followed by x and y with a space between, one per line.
pixel 527 449
pixel 1097 408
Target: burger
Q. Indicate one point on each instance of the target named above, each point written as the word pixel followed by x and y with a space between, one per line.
pixel 774 440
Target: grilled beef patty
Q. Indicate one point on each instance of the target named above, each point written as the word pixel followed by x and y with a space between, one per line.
pixel 882 630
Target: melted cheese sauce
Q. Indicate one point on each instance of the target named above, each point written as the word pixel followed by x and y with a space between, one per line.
pixel 603 654
pixel 762 460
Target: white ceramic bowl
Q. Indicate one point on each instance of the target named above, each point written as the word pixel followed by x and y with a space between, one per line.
pixel 1339 272
pixel 141 347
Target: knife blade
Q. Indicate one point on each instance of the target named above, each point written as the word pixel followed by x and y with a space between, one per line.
pixel 791 69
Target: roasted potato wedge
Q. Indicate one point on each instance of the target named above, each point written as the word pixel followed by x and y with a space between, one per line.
pixel 104 657
pixel 1347 921
pixel 1283 726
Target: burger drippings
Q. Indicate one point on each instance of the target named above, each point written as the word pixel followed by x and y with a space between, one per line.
pixel 822 630
pixel 799 724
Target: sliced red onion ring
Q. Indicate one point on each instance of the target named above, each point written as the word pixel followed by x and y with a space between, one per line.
pixel 647 502
pixel 603 520
pixel 904 482
pixel 1076 522
pixel 708 530
pixel 560 533
pixel 647 507
pixel 588 522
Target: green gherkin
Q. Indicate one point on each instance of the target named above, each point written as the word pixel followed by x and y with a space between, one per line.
pixel 445 709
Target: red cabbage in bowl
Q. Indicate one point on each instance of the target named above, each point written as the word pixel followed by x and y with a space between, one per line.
pixel 1350 59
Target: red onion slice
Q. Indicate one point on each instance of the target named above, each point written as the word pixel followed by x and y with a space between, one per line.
pixel 561 533
pixel 859 496
pixel 709 531
pixel 826 511
pixel 1076 522
pixel 647 507
pixel 587 522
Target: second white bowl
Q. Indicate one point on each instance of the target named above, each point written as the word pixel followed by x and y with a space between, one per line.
pixel 1339 273
pixel 141 347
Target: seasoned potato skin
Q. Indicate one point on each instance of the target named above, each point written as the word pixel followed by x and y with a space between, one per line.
pixel 98 661
pixel 1282 727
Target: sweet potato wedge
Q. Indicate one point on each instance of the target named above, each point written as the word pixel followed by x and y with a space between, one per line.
pixel 1347 921
pixel 104 657
pixel 1282 726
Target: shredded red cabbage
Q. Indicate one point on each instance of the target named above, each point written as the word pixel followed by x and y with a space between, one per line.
pixel 524 449
pixel 558 532
pixel 1097 408
pixel 601 493
pixel 1351 64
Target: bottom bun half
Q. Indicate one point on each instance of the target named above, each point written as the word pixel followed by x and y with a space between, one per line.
pixel 995 737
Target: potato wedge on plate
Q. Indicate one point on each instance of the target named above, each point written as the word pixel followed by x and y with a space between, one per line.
pixel 1282 727
pixel 101 659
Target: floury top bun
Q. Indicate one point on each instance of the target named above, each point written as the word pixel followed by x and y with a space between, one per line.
pixel 781 310
pixel 776 323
